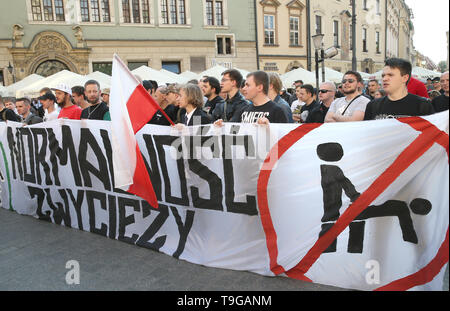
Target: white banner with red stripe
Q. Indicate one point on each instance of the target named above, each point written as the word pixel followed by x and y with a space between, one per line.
pixel 356 205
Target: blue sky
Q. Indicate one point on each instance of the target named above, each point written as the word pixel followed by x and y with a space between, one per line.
pixel 431 22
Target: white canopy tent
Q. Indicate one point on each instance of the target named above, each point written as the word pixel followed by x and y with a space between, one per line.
pixel 100 77
pixel 64 76
pixel 290 77
pixel 331 75
pixel 215 72
pixel 2 90
pixel 189 75
pixel 175 76
pixel 377 75
pixel 147 73
pixel 423 73
pixel 67 77
pixel 11 90
pixel 417 72
pixel 365 75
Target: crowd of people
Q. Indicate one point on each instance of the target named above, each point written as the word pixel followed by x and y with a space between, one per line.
pixel 257 98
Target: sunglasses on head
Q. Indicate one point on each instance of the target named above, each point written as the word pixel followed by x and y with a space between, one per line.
pixel 348 80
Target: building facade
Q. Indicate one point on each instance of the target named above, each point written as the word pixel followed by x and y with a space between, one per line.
pixel 399 30
pixel 45 36
pixel 282 36
pixel 333 18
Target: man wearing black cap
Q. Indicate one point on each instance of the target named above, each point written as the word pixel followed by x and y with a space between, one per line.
pixel 150 86
pixel 98 109
pixel 48 101
pixel 441 103
pixel 437 85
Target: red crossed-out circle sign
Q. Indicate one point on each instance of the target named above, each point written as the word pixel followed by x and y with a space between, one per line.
pixel 430 135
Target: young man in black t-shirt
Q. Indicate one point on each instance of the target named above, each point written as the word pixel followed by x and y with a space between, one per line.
pixel 398 103
pixel 263 110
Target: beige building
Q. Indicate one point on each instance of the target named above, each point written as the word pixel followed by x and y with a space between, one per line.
pixel 282 37
pixel 45 37
pixel 333 18
pixel 399 30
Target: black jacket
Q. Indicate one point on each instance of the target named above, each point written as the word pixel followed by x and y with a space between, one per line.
pixel 32 119
pixel 234 108
pixel 8 114
pixel 211 105
pixel 199 114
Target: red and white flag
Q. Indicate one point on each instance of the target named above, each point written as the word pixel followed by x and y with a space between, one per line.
pixel 131 107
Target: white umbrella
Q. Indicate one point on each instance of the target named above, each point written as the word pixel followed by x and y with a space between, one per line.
pixel 189 75
pixel 365 75
pixel 102 78
pixel 377 75
pixel 147 73
pixel 64 76
pixel 423 73
pixel 13 88
pixel 2 89
pixel 177 77
pixel 243 72
pixel 215 72
pixel 331 75
pixel 290 77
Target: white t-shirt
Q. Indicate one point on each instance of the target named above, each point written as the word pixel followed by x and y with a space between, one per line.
pixel 297 105
pixel 340 104
pixel 53 115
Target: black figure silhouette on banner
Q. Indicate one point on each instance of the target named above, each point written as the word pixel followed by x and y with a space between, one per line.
pixel 334 182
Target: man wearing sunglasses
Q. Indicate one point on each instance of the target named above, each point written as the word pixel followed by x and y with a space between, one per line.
pixel 351 107
pixel 327 93
pixel 398 102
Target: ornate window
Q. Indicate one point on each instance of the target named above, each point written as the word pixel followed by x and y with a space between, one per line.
pixel 95 11
pixel 336 33
pixel 136 11
pixel 214 10
pixel 269 29
pixel 364 39
pixel 295 9
pixel 225 45
pixel 294 26
pixel 173 12
pixel 47 10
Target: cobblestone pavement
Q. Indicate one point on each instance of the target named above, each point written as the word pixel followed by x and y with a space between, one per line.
pixel 34 253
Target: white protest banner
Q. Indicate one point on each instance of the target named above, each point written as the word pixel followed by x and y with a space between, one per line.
pixel 361 205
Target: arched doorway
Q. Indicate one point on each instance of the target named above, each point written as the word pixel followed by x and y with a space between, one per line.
pixel 50 67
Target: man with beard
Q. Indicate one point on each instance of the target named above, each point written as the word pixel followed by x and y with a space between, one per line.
pixel 211 90
pixel 63 95
pixel 98 110
pixel 351 107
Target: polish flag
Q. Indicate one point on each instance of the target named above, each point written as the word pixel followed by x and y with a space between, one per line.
pixel 131 107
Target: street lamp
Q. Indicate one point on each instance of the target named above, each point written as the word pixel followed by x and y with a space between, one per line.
pixel 11 69
pixel 354 62
pixel 329 53
pixel 318 45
